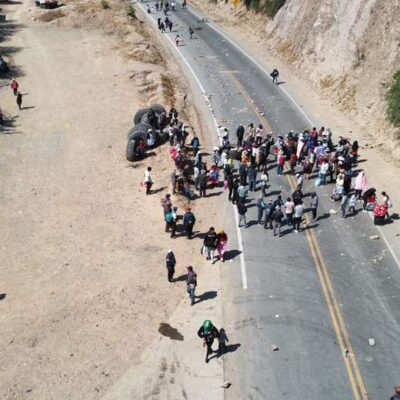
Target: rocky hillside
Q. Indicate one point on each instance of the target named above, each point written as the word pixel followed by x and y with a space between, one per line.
pixel 350 49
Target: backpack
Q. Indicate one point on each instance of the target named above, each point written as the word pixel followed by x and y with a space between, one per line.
pixel 207 326
pixel 169 217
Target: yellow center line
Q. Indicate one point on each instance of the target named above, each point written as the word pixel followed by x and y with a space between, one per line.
pixel 349 358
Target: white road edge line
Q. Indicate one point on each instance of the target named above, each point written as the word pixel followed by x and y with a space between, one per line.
pixel 212 26
pixel 238 232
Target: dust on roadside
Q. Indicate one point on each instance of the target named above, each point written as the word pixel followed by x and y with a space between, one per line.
pixel 84 265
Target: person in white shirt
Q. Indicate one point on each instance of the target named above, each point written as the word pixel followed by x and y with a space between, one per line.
pixel 298 215
pixel 147 180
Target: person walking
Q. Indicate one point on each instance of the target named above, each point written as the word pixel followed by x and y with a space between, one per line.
pixel 264 181
pixel 14 86
pixel 147 180
pixel 239 135
pixel 277 217
pixel 191 283
pixel 289 208
pixel 19 100
pixel 170 262
pixel 208 332
pixel 210 243
pixel 188 222
pixel 242 193
pixel 191 31
pixel 280 163
pixel 360 184
pixel 222 244
pixel 275 76
pixel 235 194
pixel 314 205
pixel 242 210
pixel 298 215
pixel 177 40
pixel 173 181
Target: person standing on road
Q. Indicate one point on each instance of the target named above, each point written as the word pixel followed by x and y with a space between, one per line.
pixel 19 100
pixel 14 86
pixel 275 76
pixel 210 243
pixel 252 175
pixel 260 207
pixel 242 193
pixel 239 135
pixel 289 208
pixel 396 395
pixel 170 262
pixel 191 282
pixel 147 180
pixel 188 222
pixel 177 40
pixel 269 209
pixel 277 216
pixel 202 183
pixel 208 332
pixel 191 31
pixel 222 244
pixel 280 163
pixel 242 210
pixel 314 205
pixel 170 221
pixel 298 215
pixel 343 204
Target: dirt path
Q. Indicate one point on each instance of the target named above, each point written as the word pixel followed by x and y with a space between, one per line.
pixel 82 254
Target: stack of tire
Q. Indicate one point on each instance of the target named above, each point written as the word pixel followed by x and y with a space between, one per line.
pixel 153 118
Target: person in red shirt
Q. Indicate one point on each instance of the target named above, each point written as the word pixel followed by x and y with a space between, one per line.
pixel 14 86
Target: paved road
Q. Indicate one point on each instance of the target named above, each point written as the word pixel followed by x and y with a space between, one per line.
pixel 318 295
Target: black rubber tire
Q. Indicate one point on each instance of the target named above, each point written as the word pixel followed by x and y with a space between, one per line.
pixel 131 132
pixel 158 109
pixel 162 121
pixel 130 150
pixel 139 114
pixel 145 120
pixel 140 128
pixel 139 135
pixel 163 137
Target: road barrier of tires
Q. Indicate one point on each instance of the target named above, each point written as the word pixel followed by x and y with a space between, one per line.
pixel 153 118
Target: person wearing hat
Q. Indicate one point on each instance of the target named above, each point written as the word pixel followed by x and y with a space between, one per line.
pixel 188 222
pixel 396 395
pixel 208 332
pixel 191 282
pixel 170 263
pixel 269 209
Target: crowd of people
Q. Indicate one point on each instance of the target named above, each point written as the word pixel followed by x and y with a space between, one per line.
pixel 246 168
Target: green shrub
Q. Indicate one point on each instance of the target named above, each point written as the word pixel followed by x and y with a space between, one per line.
pixel 255 5
pixel 131 11
pixel 393 100
pixel 271 7
pixel 104 4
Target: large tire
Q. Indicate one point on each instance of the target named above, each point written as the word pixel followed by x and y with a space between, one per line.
pixel 130 150
pixel 153 122
pixel 158 109
pixel 162 121
pixel 139 114
pixel 139 127
pixel 163 137
pixel 131 132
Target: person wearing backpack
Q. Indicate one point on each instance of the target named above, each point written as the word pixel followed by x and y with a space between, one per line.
pixel 191 283
pixel 170 263
pixel 188 222
pixel 208 332
pixel 269 209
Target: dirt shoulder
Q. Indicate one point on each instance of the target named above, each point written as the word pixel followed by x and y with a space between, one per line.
pixel 82 246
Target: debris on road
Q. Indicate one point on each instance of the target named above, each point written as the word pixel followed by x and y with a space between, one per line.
pixel 332 211
pixel 274 347
pixel 371 342
pixel 226 385
pixel 374 237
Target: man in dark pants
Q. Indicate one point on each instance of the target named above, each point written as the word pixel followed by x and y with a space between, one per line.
pixel 240 134
pixel 202 183
pixel 188 222
pixel 208 332
pixel 170 262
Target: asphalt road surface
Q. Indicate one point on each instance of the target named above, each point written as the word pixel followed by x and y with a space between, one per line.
pixel 318 295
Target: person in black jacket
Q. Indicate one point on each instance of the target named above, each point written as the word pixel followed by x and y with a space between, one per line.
pixel 208 332
pixel 242 210
pixel 240 134
pixel 170 263
pixel 277 216
pixel 188 222
pixel 210 243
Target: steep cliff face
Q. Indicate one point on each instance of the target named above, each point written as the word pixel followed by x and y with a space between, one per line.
pixel 350 49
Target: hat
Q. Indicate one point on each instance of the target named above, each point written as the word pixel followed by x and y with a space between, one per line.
pixel 169 250
pixel 174 208
pixel 297 175
pixel 149 130
pixel 189 267
pixel 168 195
